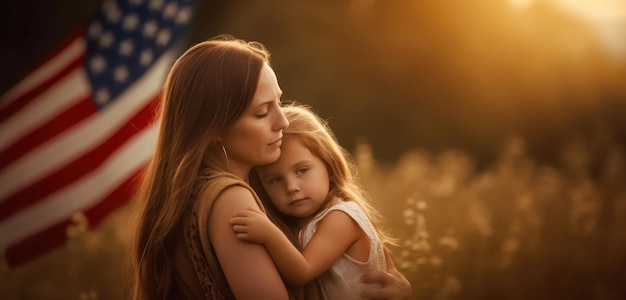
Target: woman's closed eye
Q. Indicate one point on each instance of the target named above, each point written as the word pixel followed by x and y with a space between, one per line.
pixel 268 107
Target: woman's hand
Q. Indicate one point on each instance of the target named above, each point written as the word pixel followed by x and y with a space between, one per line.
pixel 394 284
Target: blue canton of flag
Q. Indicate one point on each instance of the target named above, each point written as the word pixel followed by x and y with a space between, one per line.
pixel 125 38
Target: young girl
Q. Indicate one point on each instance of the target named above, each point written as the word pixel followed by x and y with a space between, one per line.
pixel 313 185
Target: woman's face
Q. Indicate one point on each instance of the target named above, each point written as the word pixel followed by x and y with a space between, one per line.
pixel 256 137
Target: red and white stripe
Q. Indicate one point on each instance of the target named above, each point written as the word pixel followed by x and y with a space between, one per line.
pixel 59 155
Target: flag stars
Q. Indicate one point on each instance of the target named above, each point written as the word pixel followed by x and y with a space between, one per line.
pixel 120 74
pixel 146 57
pixel 106 40
pixel 114 15
pixel 130 22
pixel 183 16
pixel 126 39
pixel 150 28
pixel 163 38
pixel 156 4
pixel 109 5
pixel 97 64
pixel 102 96
pixel 94 30
pixel 170 11
pixel 126 47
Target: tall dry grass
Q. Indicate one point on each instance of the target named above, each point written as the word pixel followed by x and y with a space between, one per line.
pixel 517 229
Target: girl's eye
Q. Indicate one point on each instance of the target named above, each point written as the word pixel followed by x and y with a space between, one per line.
pixel 262 115
pixel 302 170
pixel 274 180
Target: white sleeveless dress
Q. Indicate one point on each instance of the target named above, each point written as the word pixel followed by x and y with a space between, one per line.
pixel 343 279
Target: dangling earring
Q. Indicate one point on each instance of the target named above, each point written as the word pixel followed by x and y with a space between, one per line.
pixel 225 155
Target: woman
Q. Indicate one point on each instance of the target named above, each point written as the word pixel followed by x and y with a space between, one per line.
pixel 220 117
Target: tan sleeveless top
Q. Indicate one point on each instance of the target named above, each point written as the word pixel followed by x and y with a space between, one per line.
pixel 198 272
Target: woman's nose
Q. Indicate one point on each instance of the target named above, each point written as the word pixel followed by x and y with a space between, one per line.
pixel 280 122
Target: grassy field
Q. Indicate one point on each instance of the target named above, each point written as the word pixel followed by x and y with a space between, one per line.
pixel 516 229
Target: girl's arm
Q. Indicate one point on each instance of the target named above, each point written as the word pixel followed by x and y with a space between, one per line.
pixel 248 267
pixel 334 236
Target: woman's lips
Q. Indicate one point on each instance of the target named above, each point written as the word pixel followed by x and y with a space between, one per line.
pixel 276 143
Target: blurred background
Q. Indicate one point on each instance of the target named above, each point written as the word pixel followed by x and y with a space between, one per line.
pixel 490 133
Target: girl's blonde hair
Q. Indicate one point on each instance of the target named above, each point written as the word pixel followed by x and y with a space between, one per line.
pixel 319 138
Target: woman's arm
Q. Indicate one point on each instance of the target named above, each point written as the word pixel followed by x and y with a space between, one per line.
pixel 334 235
pixel 393 284
pixel 248 267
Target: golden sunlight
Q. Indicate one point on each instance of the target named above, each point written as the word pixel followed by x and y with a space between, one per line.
pixel 606 18
pixel 521 4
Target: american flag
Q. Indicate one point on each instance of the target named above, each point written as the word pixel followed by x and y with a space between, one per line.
pixel 76 132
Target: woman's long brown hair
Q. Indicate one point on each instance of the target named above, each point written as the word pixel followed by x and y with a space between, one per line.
pixel 208 89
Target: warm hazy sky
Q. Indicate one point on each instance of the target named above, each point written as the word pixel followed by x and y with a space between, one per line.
pixel 464 70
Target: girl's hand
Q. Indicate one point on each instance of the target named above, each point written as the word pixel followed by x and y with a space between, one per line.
pixel 252 225
pixel 394 284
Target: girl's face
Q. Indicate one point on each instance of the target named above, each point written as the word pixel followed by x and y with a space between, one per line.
pixel 298 182
pixel 256 137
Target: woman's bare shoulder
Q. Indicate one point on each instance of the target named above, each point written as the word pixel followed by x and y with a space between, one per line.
pixel 235 197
